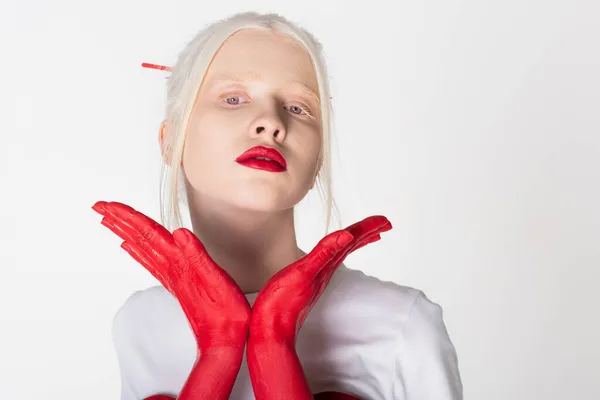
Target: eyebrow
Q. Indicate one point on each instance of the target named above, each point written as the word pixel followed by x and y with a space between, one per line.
pixel 296 85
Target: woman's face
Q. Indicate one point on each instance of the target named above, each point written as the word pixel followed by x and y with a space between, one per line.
pixel 260 90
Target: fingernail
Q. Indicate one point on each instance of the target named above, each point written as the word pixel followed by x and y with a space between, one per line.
pixel 344 239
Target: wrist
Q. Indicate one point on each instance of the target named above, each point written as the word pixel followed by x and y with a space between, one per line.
pixel 259 340
pixel 272 329
pixel 226 350
pixel 226 338
pixel 272 337
pixel 224 359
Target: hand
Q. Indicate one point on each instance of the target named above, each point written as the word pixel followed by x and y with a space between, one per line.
pixel 283 304
pixel 213 303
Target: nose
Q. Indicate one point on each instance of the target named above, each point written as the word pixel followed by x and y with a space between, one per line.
pixel 270 125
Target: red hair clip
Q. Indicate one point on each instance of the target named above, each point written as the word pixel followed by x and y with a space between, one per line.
pixel 155 66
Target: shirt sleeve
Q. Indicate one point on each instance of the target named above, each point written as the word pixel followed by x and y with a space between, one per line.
pixel 426 363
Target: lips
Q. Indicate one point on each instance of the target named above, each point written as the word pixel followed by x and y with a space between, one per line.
pixel 253 157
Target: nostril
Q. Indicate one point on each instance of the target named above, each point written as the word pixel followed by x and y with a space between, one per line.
pixel 260 129
pixel 276 133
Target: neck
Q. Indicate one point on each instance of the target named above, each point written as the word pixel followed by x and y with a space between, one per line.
pixel 250 245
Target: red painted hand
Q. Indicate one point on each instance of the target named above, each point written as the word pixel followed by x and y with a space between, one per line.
pixel 283 304
pixel 215 306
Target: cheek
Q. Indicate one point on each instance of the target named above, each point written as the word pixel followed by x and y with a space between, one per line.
pixel 316 143
pixel 211 132
pixel 207 144
pixel 310 147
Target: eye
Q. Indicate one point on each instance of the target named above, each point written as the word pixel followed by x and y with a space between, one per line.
pixel 298 110
pixel 232 100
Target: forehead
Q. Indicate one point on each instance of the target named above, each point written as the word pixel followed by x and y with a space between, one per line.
pixel 253 54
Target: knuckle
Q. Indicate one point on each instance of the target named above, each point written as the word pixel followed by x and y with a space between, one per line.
pixel 194 258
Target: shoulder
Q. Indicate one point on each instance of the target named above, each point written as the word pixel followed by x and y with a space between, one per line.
pixel 144 314
pixel 407 310
pixel 141 304
pixel 397 332
pixel 404 309
pixel 425 360
pixel 149 315
pixel 374 298
pixel 145 311
pixel 153 342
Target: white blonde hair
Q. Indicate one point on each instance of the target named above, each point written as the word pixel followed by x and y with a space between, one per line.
pixel 184 83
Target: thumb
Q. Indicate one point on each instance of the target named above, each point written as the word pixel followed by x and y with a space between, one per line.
pixel 326 250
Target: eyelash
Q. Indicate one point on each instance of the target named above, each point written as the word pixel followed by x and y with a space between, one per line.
pixel 307 113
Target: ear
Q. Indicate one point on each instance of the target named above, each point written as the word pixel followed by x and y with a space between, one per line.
pixel 164 140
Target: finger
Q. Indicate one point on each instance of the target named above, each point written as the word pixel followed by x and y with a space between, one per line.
pixel 140 227
pixel 99 207
pixel 375 223
pixel 372 236
pixel 185 238
pixel 336 261
pixel 365 242
pixel 321 281
pixel 134 227
pixel 367 239
pixel 323 252
pixel 366 228
pixel 323 277
pixel 331 257
pixel 117 227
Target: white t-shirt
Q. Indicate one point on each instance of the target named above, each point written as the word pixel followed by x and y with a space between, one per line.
pixel 365 337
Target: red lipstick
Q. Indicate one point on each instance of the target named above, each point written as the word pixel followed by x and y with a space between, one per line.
pixel 265 158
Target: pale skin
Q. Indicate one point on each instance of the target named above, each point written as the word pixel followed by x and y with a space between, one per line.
pixel 244 216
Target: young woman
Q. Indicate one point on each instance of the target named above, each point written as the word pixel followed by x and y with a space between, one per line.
pixel 242 312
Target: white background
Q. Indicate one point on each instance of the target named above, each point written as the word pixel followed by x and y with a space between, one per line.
pixel 474 126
